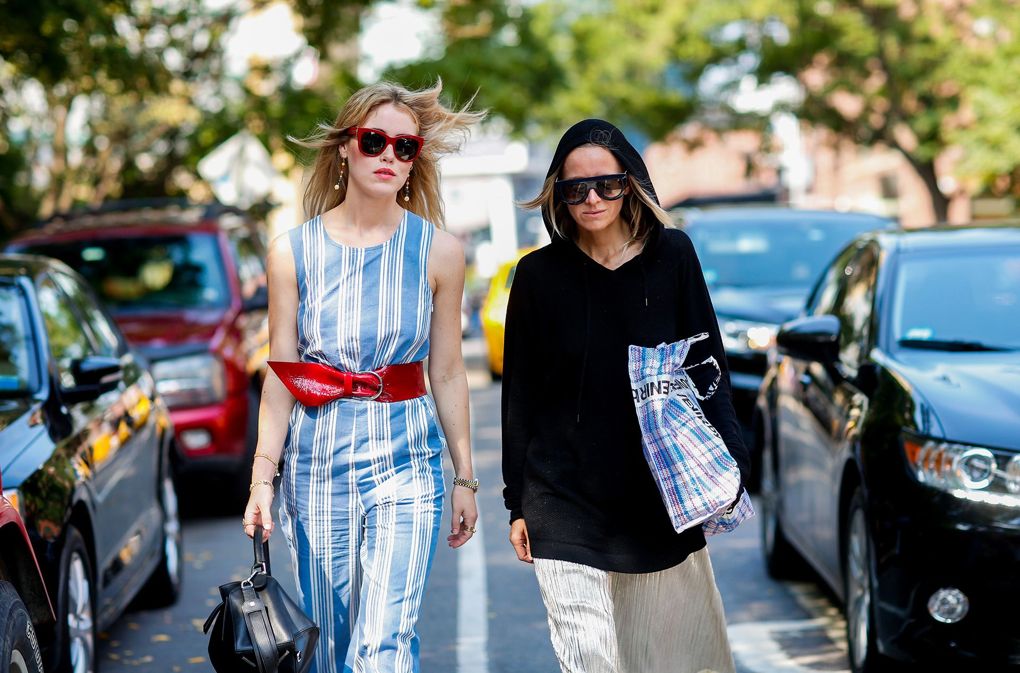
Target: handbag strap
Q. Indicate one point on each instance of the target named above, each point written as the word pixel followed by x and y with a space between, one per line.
pixel 263 640
pixel 261 548
pixel 710 360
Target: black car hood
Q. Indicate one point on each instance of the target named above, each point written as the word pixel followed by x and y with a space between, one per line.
pixel 772 305
pixel 975 396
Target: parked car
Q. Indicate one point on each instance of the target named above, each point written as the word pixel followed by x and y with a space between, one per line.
pixel 85 446
pixel 187 285
pixel 494 313
pixel 759 264
pixel 891 458
pixel 25 609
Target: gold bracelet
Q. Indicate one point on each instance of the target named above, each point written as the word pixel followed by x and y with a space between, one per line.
pixel 276 466
pixel 259 454
pixel 261 482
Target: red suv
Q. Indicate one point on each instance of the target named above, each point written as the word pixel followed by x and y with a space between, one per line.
pixel 187 285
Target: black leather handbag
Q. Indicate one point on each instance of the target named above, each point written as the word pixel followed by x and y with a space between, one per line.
pixel 257 626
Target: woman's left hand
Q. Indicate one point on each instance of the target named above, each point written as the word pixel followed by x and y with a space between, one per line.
pixel 465 516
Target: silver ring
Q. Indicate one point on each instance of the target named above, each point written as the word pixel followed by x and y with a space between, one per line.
pixel 378 392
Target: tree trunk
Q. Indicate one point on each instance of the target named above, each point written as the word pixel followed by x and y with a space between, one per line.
pixel 58 169
pixel 926 171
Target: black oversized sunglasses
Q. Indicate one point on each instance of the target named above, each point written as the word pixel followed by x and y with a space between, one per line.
pixel 608 187
pixel 373 142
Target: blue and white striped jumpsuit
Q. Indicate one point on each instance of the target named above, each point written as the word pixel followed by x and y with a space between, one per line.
pixel 362 492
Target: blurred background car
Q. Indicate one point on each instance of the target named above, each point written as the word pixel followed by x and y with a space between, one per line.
pixel 494 313
pixel 187 285
pixel 85 453
pixel 759 264
pixel 25 611
pixel 891 458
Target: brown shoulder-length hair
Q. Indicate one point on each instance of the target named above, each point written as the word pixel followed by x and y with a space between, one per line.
pixel 444 131
pixel 640 211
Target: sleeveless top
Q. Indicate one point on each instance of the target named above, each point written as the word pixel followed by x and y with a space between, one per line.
pixel 363 308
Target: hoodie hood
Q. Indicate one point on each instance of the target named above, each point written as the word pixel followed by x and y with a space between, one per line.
pixel 602 133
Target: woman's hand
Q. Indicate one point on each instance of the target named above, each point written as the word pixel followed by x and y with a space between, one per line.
pixel 259 511
pixel 465 516
pixel 519 539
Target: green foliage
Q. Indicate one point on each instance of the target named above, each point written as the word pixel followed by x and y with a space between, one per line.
pixel 918 76
pixel 542 66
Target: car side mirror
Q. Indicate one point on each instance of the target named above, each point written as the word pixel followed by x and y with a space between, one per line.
pixel 258 301
pixel 814 338
pixel 93 376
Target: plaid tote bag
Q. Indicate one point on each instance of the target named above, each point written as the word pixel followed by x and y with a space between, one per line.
pixel 696 475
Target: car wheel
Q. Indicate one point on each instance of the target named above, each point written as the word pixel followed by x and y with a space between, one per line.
pixel 781 560
pixel 164 586
pixel 19 649
pixel 859 591
pixel 75 647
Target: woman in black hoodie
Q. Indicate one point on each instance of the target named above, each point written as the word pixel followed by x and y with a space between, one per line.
pixel 625 593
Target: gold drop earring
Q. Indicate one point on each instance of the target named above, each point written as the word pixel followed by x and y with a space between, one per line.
pixel 407 188
pixel 343 162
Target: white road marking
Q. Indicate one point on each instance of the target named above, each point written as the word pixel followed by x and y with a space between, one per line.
pixel 472 602
pixel 756 649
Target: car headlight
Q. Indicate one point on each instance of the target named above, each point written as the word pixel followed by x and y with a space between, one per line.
pixel 968 472
pixel 743 336
pixel 191 381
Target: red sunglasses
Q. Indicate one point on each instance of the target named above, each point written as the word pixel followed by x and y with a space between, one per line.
pixel 373 142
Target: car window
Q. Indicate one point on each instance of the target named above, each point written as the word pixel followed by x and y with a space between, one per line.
pixel 957 300
pixel 103 333
pixel 148 273
pixel 827 291
pixel 15 343
pixel 68 339
pixel 854 309
pixel 251 269
pixel 777 253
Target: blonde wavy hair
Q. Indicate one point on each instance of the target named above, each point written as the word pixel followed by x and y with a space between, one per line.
pixel 639 212
pixel 444 131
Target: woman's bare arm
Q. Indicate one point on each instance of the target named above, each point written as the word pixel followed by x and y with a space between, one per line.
pixel 448 377
pixel 277 402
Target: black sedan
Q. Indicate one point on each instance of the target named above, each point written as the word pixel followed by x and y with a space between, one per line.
pixel 759 264
pixel 891 460
pixel 85 456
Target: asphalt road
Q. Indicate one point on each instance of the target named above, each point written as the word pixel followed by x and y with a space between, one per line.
pixel 482 611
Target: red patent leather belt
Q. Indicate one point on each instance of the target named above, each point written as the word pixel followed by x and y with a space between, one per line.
pixel 313 384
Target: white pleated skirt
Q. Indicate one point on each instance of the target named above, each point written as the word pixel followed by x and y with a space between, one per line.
pixel 664 622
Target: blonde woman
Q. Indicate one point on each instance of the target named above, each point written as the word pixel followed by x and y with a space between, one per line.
pixel 359 295
pixel 624 592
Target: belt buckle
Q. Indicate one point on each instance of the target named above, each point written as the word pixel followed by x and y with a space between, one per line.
pixel 380 390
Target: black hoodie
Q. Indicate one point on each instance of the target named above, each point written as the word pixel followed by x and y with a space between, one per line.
pixel 572 458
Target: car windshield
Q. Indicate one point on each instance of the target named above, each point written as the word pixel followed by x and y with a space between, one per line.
pixel 958 301
pixel 148 273
pixel 15 343
pixel 773 253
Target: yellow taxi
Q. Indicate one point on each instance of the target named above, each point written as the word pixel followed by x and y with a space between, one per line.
pixel 494 312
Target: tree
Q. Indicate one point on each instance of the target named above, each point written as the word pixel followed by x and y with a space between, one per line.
pixel 542 66
pixel 913 75
pixel 125 96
